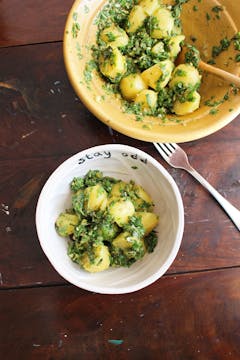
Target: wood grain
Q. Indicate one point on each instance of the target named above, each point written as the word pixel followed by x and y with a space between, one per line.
pixel 26 22
pixel 192 316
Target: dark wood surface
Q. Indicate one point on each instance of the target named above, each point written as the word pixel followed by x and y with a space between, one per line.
pixel 192 312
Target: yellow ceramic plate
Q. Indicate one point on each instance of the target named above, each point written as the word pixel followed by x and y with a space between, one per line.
pixel 80 34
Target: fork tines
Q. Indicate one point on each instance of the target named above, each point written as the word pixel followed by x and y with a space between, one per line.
pixel 167 148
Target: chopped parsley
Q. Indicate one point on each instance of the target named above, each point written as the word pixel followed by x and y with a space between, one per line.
pixel 236 41
pixel 214 103
pixel 208 17
pixel 213 111
pixel 218 49
pixel 217 9
pixel 75 29
pixel 237 58
pixel 90 66
pixel 192 55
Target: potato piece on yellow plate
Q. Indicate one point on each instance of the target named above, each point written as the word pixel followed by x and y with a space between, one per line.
pixel 174 45
pixel 187 107
pixel 131 85
pixel 149 6
pixel 158 48
pixel 114 36
pixel 161 23
pixel 147 99
pixel 185 74
pixel 112 64
pixel 136 19
pixel 158 75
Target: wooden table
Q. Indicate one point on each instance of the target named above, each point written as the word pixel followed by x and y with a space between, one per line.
pixel 192 312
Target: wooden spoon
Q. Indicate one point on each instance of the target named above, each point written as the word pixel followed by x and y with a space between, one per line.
pixel 234 79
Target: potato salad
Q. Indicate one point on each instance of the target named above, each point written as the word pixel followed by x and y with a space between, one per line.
pixel 138 42
pixel 110 223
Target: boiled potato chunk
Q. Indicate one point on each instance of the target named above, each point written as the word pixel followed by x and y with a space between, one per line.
pixel 149 6
pixel 131 85
pixel 104 204
pixel 187 107
pixel 185 74
pixel 130 245
pixel 107 230
pixel 141 193
pixel 114 36
pixel 162 23
pixel 66 223
pixel 177 29
pixel 149 221
pixel 158 75
pixel 147 100
pixel 101 259
pixel 112 64
pixel 143 200
pixel 136 18
pixel 124 240
pixel 120 210
pixel 158 48
pixel 174 45
pixel 118 189
pixel 95 197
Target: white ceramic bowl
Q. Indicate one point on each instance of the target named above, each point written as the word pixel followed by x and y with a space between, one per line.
pixel 126 163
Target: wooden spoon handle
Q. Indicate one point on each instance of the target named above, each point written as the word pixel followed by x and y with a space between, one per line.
pixel 219 72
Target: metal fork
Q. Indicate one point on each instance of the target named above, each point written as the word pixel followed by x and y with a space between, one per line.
pixel 176 157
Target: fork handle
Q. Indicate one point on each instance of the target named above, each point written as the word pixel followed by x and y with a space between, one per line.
pixel 231 210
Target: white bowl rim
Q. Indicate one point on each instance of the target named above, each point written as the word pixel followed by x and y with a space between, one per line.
pixel 151 279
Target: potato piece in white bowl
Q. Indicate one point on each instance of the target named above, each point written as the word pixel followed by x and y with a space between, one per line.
pixel 66 223
pixel 121 210
pixel 95 197
pixel 149 221
pixel 100 262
